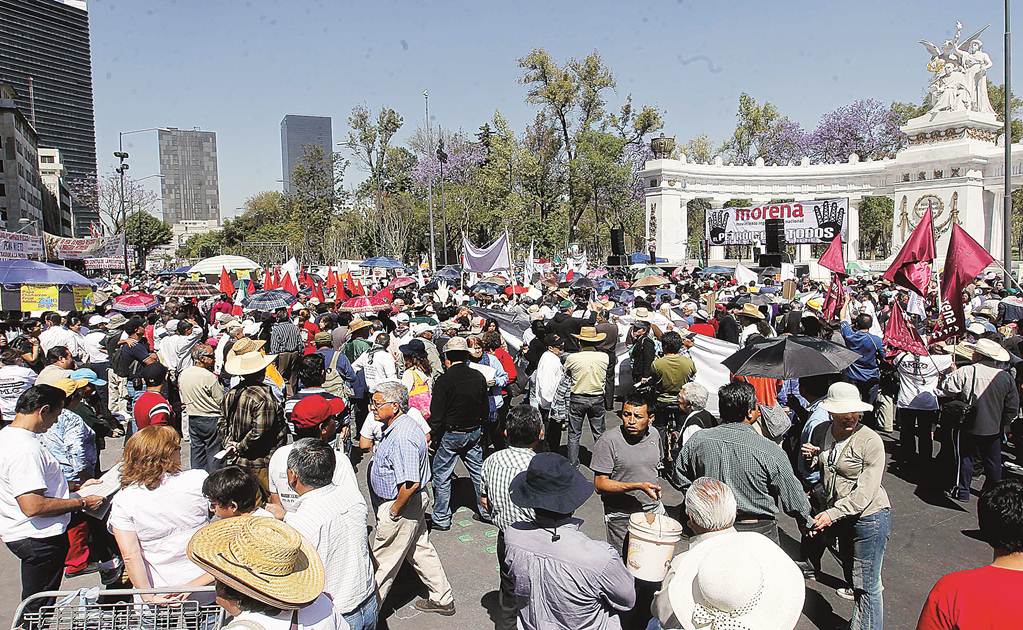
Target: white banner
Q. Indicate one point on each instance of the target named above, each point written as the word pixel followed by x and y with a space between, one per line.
pixel 16 245
pixel 104 263
pixel 815 221
pixel 61 248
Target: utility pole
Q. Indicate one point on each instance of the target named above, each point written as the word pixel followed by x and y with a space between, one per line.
pixel 1007 141
pixel 429 186
pixel 442 157
pixel 121 170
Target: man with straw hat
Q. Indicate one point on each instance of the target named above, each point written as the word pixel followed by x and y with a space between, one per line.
pixel 587 369
pixel 990 388
pixel 253 421
pixel 268 577
pixel 563 578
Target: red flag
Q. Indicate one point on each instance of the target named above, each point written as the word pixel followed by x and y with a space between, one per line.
pixel 226 286
pixel 911 268
pixel 268 279
pixel 318 293
pixel 288 284
pixel 964 260
pixel 900 335
pixel 359 289
pixel 349 284
pixel 250 288
pixel 833 298
pixel 331 279
pixel 832 258
pixel 569 275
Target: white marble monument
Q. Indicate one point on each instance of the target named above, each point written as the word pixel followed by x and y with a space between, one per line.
pixel 953 162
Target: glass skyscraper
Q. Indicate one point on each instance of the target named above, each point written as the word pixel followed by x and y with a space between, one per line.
pixel 297 132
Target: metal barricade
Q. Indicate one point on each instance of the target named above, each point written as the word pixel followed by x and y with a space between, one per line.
pixel 118 609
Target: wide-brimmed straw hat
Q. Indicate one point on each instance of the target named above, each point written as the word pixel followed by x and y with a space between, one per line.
pixel 990 349
pixel 248 363
pixel 641 314
pixel 750 310
pixel 358 324
pixel 737 580
pixel 590 334
pixel 550 483
pixel 260 557
pixel 844 398
pixel 246 344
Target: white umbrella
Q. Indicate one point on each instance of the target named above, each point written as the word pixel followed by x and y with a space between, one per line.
pixel 213 265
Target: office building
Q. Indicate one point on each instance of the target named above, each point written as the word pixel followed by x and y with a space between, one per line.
pixel 45 55
pixel 188 163
pixel 57 213
pixel 20 194
pixel 299 132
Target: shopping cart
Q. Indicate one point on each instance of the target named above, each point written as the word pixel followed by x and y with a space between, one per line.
pixel 119 609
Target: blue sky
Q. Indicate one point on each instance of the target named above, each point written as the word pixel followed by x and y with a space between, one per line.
pixel 237 67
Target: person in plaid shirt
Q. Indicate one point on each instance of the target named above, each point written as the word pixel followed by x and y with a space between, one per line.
pixel 252 421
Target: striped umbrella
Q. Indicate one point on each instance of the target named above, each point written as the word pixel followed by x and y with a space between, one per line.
pixel 190 289
pixel 135 302
pixel 269 300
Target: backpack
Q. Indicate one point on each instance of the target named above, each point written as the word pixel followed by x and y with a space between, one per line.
pixel 419 396
pixel 335 383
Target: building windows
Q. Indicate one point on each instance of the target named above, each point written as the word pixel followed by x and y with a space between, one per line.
pixel 46 159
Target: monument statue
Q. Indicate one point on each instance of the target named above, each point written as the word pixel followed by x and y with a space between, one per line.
pixel 960 74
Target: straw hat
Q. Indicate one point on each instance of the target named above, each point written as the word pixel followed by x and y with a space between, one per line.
pixel 642 313
pixel 749 310
pixel 590 334
pixel 736 580
pixel 990 349
pixel 358 324
pixel 246 344
pixel 844 398
pixel 260 557
pixel 247 363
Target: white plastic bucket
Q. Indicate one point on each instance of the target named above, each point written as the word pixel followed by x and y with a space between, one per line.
pixel 652 540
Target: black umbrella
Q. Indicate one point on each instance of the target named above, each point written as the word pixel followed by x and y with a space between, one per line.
pixel 793 356
pixel 583 283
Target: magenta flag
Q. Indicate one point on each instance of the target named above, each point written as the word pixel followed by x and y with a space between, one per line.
pixel 912 267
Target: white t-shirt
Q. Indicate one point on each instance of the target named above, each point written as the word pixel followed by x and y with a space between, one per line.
pixel 14 380
pixel 344 478
pixel 377 366
pixel 164 520
pixel 319 615
pixel 25 466
pixel 918 379
pixel 373 429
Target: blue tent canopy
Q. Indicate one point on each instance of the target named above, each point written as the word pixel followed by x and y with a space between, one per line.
pixel 175 271
pixel 22 271
pixel 382 262
pixel 644 257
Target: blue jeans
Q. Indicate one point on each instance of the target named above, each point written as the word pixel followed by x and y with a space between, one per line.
pixel 204 442
pixel 862 542
pixel 364 617
pixel 454 444
pixel 582 406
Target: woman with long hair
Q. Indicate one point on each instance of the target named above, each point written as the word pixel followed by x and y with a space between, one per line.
pixel 156 511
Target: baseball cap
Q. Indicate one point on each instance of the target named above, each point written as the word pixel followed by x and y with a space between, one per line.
pixel 87 375
pixel 312 411
pixel 69 385
pixel 154 373
pixel 324 336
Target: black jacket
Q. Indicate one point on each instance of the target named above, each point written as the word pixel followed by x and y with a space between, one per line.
pixel 459 401
pixel 703 419
pixel 566 326
pixel 728 329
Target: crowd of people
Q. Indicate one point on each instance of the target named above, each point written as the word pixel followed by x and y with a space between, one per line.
pixel 280 408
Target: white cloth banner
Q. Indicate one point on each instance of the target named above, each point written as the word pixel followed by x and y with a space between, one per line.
pixel 17 245
pixel 788 272
pixel 493 257
pixel 744 275
pixel 291 267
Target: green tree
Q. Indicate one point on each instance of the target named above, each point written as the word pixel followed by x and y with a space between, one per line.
pixel 368 141
pixel 317 195
pixel 996 94
pixel 699 149
pixel 696 220
pixel 145 233
pixel 739 252
pixel 755 123
pixel 876 217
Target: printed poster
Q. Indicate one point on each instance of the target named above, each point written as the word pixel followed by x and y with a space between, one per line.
pixel 35 297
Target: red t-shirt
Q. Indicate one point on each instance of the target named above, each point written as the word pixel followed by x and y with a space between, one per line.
pixel 151 408
pixel 987 598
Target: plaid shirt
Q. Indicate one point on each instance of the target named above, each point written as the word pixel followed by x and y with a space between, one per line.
pixel 498 471
pixel 754 467
pixel 400 456
pixel 252 417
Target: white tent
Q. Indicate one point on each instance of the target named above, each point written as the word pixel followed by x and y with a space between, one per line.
pixel 212 266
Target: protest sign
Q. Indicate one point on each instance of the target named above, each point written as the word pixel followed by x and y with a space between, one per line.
pixel 36 297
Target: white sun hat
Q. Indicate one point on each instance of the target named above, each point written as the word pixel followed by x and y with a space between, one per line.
pixel 844 398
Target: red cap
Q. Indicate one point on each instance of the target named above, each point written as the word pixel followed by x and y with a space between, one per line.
pixel 312 411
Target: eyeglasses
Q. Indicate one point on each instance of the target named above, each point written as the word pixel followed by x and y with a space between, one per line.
pixel 377 405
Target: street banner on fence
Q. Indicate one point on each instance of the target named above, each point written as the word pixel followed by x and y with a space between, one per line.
pixel 38 297
pixel 15 245
pixel 62 248
pixel 814 221
pixel 83 298
pixel 104 263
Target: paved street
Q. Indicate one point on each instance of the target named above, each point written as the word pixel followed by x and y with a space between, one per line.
pixel 928 541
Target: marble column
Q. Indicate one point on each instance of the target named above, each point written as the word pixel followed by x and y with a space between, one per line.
pixel 852 241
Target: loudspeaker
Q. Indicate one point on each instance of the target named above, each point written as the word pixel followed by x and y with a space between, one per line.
pixel 618 261
pixel 774 241
pixel 617 242
pixel 770 260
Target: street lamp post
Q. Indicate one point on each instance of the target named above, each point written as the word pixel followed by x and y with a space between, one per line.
pixel 429 187
pixel 121 155
pixel 442 157
pixel 1007 141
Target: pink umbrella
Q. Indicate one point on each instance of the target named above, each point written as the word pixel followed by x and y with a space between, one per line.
pixel 135 302
pixel 403 281
pixel 599 272
pixel 363 304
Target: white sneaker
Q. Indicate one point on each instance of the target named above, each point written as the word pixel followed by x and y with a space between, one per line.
pixel 846 593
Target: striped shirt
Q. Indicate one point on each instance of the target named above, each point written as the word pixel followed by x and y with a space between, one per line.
pixel 401 456
pixel 285 337
pixel 754 467
pixel 336 527
pixel 498 471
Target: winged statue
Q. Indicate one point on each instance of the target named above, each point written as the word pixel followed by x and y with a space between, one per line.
pixel 960 73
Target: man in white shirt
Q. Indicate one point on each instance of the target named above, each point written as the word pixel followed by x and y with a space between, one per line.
pixel 58 335
pixel 35 504
pixel 176 349
pixel 15 378
pixel 916 408
pixel 336 527
pixel 548 375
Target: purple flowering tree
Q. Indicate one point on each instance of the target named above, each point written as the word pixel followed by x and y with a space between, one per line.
pixel 784 141
pixel 463 158
pixel 866 127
